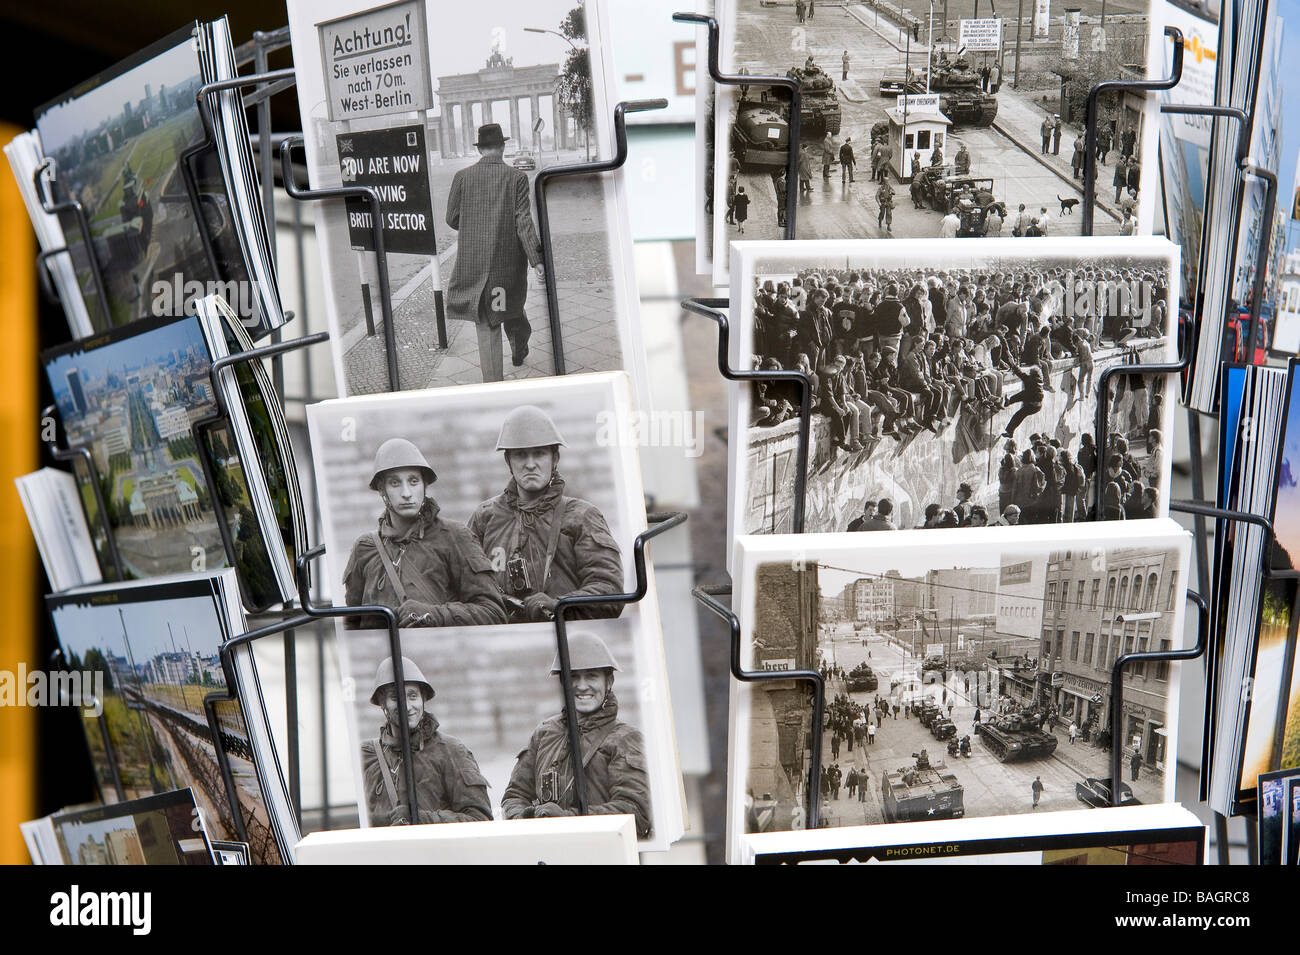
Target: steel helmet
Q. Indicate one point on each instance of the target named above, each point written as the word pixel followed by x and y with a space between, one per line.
pixel 528 426
pixel 399 453
pixel 410 672
pixel 586 652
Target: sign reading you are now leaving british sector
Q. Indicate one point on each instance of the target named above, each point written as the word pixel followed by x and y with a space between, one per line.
pixel 392 162
pixel 377 62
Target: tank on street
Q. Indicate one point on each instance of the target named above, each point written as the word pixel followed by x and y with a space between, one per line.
pixel 913 793
pixel 1015 737
pixel 819 110
pixel 760 136
pixel 862 678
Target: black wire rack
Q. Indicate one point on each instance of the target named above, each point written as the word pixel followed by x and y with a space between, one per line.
pixel 310 611
pixel 712 308
pixel 265 84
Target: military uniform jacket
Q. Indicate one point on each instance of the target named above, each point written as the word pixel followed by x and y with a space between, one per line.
pixel 586 560
pixel 448 784
pixel 613 755
pixel 488 205
pixel 439 565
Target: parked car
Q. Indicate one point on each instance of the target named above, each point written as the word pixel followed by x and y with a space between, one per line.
pixel 1095 792
pixel 524 161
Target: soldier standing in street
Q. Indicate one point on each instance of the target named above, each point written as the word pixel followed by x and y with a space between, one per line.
pixel 497 241
pixel 449 786
pixel 885 198
pixel 613 752
pixel 430 571
pixel 541 544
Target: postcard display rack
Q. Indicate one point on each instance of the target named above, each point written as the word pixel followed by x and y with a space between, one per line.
pixel 714 309
pixel 262 85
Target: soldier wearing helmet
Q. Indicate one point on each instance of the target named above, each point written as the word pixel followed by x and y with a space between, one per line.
pixel 449 786
pixel 544 545
pixel 613 752
pixel 431 571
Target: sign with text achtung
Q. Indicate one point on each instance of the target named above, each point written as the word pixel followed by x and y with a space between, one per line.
pixel 394 162
pixel 377 62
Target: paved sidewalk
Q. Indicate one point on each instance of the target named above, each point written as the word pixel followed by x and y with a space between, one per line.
pixel 1021 120
pixel 590 338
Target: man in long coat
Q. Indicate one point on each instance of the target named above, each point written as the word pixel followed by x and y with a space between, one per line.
pixel 489 206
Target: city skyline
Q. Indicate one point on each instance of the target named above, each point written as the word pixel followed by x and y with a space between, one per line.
pixel 194 625
pixel 95 364
pixel 65 121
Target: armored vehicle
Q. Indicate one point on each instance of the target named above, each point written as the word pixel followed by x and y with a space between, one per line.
pixel 861 677
pixel 1015 736
pixel 760 136
pixel 819 111
pixel 928 711
pixel 912 793
pixel 942 728
pixel 960 96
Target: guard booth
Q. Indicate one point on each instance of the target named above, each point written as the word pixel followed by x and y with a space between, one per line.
pixel 916 130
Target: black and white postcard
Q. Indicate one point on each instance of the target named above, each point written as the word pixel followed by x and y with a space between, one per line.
pixel 912 126
pixel 132 396
pixel 482 505
pixel 486 714
pixel 144 657
pixel 451 119
pixel 966 675
pixel 469 512
pixel 1128 835
pixel 163 829
pixel 954 386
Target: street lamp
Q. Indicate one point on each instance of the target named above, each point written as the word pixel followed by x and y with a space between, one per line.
pixel 586 134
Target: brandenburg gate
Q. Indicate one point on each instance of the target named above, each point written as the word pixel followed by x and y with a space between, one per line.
pixel 499 80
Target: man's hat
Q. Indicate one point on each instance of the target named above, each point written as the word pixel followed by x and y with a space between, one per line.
pixel 490 135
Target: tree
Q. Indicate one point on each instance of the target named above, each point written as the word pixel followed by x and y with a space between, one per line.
pixel 573 92
pixel 574 25
pixel 95 662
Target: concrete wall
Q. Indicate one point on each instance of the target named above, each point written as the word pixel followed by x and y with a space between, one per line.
pixel 914 472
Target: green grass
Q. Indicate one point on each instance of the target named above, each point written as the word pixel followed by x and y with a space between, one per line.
pixel 127 487
pixel 126 735
pixel 1291 733
pixel 183 472
pixel 153 154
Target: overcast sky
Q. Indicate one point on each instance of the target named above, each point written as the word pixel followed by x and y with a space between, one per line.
pixel 81 627
pixel 68 120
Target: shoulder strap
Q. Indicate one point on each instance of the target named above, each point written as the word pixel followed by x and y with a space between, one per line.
pixel 398 590
pixel 386 774
pixel 598 740
pixel 557 519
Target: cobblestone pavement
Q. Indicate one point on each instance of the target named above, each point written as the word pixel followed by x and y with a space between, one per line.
pixel 588 304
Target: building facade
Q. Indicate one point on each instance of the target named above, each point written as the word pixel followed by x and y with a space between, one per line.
pixel 1099 606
